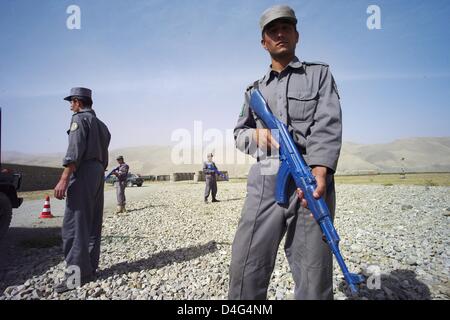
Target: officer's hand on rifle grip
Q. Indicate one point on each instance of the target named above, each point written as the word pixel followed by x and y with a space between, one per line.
pixel 300 194
pixel 265 140
pixel 320 173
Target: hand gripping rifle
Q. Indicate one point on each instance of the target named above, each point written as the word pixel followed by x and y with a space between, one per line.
pixel 293 165
pixel 112 171
pixel 212 167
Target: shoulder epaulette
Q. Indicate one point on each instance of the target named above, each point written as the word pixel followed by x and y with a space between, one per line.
pixel 249 87
pixel 316 63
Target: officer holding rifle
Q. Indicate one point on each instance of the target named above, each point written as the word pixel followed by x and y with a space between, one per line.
pixel 304 96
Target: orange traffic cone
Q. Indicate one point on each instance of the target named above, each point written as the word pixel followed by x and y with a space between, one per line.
pixel 46 213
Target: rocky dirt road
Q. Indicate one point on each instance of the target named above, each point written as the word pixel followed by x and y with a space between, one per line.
pixel 170 245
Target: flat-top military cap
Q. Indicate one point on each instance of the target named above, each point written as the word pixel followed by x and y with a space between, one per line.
pixel 79 92
pixel 119 158
pixel 277 12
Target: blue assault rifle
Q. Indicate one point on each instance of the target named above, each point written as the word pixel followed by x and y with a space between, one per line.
pixel 293 165
pixel 112 171
pixel 211 167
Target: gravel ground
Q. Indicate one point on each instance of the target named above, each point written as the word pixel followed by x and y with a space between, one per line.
pixel 170 245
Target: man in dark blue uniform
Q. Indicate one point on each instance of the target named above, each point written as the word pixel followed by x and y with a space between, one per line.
pixel 83 182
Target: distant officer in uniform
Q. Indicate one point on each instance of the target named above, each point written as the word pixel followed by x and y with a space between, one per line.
pixel 303 95
pixel 121 173
pixel 210 178
pixel 83 180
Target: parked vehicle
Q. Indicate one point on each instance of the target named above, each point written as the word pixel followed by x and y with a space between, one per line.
pixel 9 184
pixel 132 180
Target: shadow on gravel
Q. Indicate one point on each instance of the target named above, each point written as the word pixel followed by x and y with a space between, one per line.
pixel 28 252
pixel 146 207
pixel 110 239
pixel 159 260
pixel 397 285
pixel 232 199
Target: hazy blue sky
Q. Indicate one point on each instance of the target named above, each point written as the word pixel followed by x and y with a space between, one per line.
pixel 156 66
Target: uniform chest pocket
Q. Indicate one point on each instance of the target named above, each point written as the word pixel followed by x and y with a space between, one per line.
pixel 302 105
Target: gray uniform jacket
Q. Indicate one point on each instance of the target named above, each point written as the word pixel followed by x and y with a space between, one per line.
pixel 303 96
pixel 88 139
pixel 205 167
pixel 123 172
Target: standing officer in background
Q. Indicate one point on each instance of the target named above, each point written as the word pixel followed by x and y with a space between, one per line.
pixel 83 180
pixel 121 173
pixel 304 96
pixel 210 178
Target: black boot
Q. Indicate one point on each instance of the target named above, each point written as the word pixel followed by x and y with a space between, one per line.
pixel 206 199
pixel 64 285
pixel 215 200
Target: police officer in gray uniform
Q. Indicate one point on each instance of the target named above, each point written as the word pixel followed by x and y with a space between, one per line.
pixel 83 180
pixel 210 178
pixel 304 96
pixel 121 173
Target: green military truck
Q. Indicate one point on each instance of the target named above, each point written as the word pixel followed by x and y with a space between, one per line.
pixel 9 184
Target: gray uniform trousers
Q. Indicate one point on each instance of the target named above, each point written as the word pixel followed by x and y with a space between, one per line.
pixel 261 228
pixel 120 192
pixel 211 185
pixel 82 225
